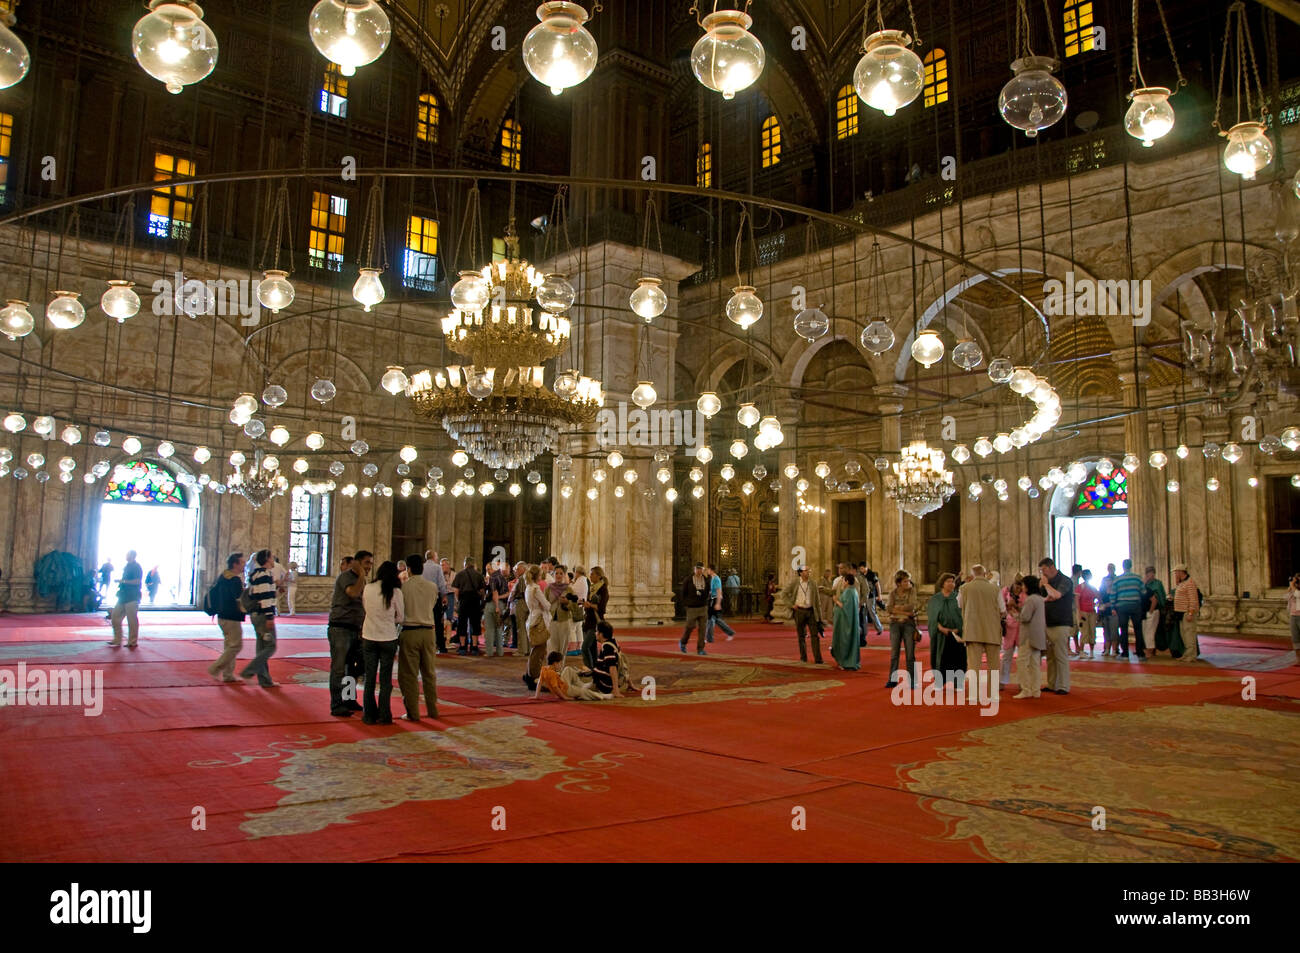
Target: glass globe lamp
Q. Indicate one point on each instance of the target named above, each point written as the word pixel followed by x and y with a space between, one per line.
pixel 275 291
pixel 822 469
pixel 1002 442
pixel 166 449
pixel 663 475
pixel 770 427
pixel 727 471
pixel 889 75
pixel 967 355
pixel 408 453
pixel 315 440
pixel 614 459
pixel 811 323
pixel 43 425
pixel 1033 99
pixel 1181 451
pixel 274 395
pixel 697 491
pixel 301 466
pixel 559 52
pixel 1149 116
pixel 368 290
pixel 1249 149
pixel 927 349
pixel 35 460
pixel 1172 486
pixel 961 453
pixel 644 394
pixel 802 485
pixel 599 474
pixel 708 404
pixel 566 384
pixel 254 428
pixel 1022 380
pixel 479 384
pixel 671 494
pixel 1000 370
pixel 748 415
pixel 71 435
pixel 131 445
pixel 555 294
pixel 350 33
pixel 470 293
pixel 739 448
pixel 744 309
pixel 102 438
pixel 1105 467
pixel 1077 472
pixel 877 337
pixel 323 391
pixel 1130 462
pixel 15 320
pixel 14 58
pixel 173 44
pixel 728 58
pixel 704 453
pixel 202 455
pixel 394 380
pixel 65 312
pixel 648 301
pixel 983 446
pixel 1231 452
pixel 791 471
pixel 630 476
pixel 1157 460
pixel 120 301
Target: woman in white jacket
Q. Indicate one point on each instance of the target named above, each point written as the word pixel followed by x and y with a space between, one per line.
pixel 539 610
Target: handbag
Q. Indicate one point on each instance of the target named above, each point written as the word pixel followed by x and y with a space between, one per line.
pixel 246 603
pixel 538 634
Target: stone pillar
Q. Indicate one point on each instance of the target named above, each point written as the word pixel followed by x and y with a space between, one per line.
pixel 1142 495
pixel 630 537
pixel 788 523
pixel 891 557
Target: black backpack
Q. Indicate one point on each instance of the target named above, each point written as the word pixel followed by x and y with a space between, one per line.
pixel 210 604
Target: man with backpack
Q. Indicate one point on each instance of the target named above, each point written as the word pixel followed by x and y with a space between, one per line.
pixel 222 601
pixel 468 586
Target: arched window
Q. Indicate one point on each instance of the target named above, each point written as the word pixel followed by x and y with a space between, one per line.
pixel 936 77
pixel 426 118
pixel 704 166
pixel 512 144
pixel 771 141
pixel 1101 493
pixel 1078 26
pixel 846 112
pixel 143 482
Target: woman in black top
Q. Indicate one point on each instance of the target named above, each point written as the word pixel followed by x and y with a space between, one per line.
pixel 597 600
pixel 604 670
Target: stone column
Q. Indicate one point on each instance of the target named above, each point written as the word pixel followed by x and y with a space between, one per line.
pixel 630 537
pixel 1142 496
pixel 891 442
pixel 788 525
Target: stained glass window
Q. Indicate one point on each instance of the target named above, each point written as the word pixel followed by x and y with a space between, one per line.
pixel 1103 493
pixel 143 482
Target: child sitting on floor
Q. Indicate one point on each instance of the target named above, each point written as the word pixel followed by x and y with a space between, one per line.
pixel 564 682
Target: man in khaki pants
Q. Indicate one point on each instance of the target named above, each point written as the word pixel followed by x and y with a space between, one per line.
pixel 418 646
pixel 981 622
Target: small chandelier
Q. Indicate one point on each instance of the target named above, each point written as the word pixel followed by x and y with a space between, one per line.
pixel 728 58
pixel 259 483
pixel 919 483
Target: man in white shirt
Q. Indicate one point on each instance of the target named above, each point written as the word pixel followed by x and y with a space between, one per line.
pixel 801 596
pixel 418 649
pixel 280 579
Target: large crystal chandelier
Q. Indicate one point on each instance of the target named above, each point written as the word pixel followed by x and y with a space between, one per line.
pixel 260 482
pixel 496 406
pixel 1248 356
pixel 919 483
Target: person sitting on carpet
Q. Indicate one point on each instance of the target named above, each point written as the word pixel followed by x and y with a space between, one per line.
pixel 605 669
pixel 564 681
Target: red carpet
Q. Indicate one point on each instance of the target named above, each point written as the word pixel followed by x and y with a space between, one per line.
pixel 745 754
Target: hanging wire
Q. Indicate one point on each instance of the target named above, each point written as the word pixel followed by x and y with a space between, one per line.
pixel 1236 26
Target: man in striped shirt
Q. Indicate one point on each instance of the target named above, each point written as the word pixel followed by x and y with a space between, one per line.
pixel 1187 602
pixel 1127 594
pixel 262 591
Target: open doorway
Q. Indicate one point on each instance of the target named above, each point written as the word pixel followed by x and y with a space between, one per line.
pixel 145 509
pixel 1090 523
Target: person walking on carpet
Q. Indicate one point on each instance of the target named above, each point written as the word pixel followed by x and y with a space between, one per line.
pixel 128 603
pixel 262 593
pixel 802 596
pixel 223 598
pixel 715 618
pixel 695 600
pixel 901 609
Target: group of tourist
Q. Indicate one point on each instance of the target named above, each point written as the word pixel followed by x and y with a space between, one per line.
pixel 977 624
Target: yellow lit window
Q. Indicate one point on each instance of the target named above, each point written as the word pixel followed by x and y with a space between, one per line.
pixel 171 210
pixel 420 260
pixel 334 92
pixel 936 77
pixel 426 120
pixel 771 141
pixel 512 142
pixel 704 167
pixel 329 221
pixel 6 149
pixel 1078 26
pixel 846 112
